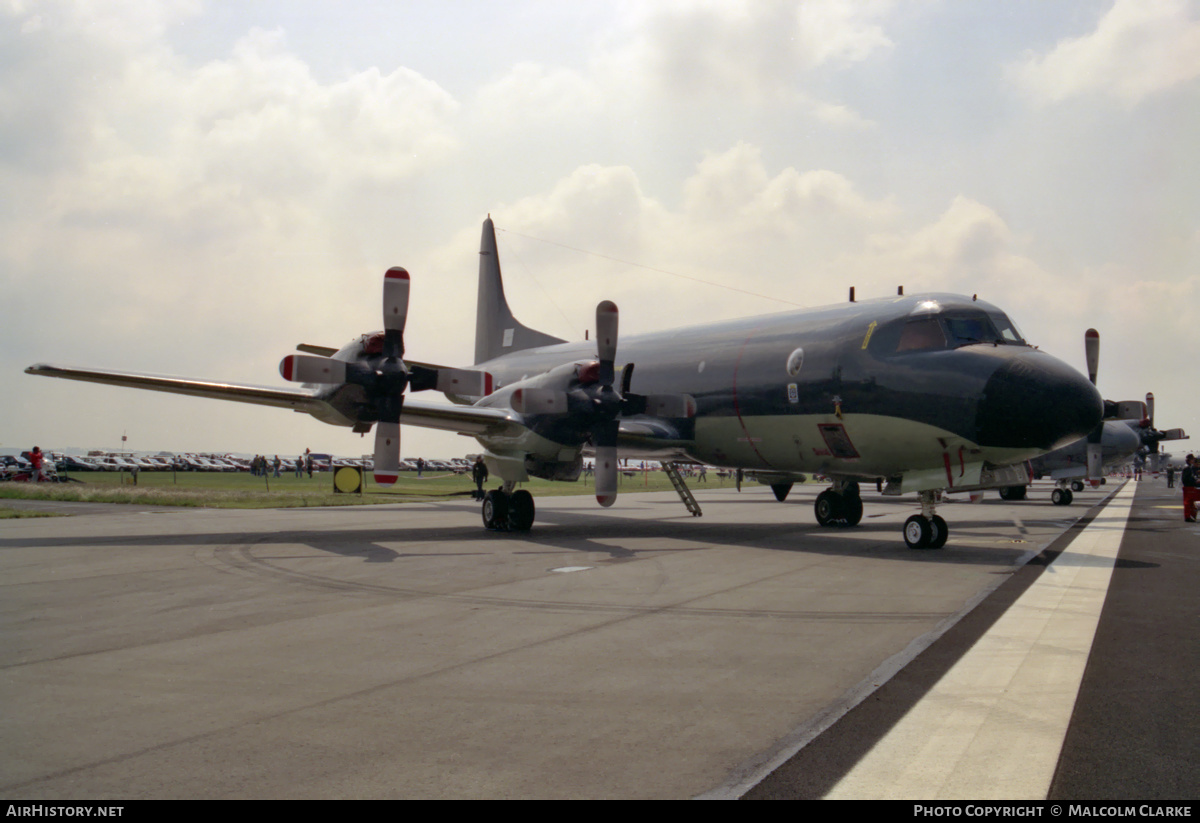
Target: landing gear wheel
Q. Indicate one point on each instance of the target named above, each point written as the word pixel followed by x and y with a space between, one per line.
pixel 1076 486
pixel 520 511
pixel 781 491
pixel 852 509
pixel 1061 497
pixel 940 532
pixel 495 510
pixel 1012 493
pixel 828 508
pixel 918 531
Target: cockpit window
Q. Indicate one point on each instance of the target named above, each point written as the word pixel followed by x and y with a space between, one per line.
pixel 921 334
pixel 1009 333
pixel 948 328
pixel 964 330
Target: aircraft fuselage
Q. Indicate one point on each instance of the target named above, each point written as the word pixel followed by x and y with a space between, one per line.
pixel 848 390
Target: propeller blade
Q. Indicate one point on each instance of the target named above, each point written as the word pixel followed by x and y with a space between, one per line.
pixel 606 339
pixel 606 475
pixel 395 310
pixel 1091 348
pixel 302 368
pixel 1150 409
pixel 538 401
pixel 604 436
pixel 387 453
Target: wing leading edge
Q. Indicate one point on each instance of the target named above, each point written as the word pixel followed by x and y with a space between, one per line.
pixel 470 420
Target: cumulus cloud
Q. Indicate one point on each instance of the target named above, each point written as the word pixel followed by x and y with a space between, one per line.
pixel 159 189
pixel 751 47
pixel 1139 48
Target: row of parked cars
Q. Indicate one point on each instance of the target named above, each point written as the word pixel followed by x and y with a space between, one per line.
pixel 56 463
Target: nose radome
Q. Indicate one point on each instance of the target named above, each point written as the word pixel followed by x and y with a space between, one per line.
pixel 1036 401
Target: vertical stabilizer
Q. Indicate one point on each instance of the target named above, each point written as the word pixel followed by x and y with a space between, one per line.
pixel 497 332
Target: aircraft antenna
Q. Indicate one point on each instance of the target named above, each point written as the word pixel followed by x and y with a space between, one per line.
pixel 510 250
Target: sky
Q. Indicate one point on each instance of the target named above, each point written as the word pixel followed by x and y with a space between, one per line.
pixel 194 188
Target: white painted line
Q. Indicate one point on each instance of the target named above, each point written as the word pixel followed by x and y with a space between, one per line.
pixel 993 726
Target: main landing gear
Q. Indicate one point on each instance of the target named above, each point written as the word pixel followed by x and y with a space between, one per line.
pixel 506 510
pixel 926 530
pixel 1061 497
pixel 839 506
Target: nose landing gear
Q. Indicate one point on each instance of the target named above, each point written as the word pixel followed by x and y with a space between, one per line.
pixel 926 530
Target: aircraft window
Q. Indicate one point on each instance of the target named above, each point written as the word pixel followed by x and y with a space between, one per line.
pixel 974 328
pixel 795 361
pixel 1009 333
pixel 921 333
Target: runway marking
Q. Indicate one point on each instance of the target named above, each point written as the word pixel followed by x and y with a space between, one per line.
pixel 993 726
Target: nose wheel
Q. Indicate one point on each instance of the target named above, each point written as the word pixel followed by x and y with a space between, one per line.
pixel 921 532
pixel 926 530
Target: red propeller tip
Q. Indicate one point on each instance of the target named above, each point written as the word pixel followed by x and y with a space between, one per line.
pixel 397 273
pixel 606 500
pixel 386 479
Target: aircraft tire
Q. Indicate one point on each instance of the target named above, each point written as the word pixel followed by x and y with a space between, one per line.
pixel 1076 486
pixel 918 531
pixel 1061 497
pixel 852 510
pixel 495 510
pixel 940 532
pixel 828 508
pixel 1012 493
pixel 520 511
pixel 781 491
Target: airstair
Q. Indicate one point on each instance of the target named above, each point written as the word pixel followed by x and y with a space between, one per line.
pixel 672 471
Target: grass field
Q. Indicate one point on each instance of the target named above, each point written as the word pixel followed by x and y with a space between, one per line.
pixel 240 490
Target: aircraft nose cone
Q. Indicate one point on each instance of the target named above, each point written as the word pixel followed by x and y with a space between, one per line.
pixel 1037 401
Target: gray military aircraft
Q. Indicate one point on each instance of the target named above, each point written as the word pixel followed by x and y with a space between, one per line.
pixel 926 392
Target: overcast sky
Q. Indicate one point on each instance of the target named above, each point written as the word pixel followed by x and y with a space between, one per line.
pixel 194 188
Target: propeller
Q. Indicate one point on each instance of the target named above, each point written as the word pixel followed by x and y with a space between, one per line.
pixel 604 433
pixel 385 376
pixel 1095 446
pixel 594 404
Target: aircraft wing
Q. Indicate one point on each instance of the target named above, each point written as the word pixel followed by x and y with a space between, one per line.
pixel 299 399
pixel 462 419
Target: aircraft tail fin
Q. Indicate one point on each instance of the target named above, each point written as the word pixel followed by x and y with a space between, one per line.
pixel 497 332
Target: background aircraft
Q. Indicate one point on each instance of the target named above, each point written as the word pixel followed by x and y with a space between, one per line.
pixel 926 392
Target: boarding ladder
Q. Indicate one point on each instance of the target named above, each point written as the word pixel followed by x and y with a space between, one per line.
pixel 681 488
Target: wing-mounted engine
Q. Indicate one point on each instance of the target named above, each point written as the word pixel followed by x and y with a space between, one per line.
pixel 577 404
pixel 384 377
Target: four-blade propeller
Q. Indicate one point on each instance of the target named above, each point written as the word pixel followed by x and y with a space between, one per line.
pixel 595 406
pixel 385 376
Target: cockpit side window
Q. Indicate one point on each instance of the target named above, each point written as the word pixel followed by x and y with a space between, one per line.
pixel 921 334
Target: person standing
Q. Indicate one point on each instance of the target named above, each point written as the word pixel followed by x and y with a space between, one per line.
pixel 1191 488
pixel 35 459
pixel 480 474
